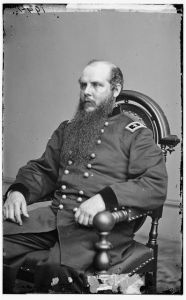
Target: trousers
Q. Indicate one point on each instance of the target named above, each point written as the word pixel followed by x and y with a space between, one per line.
pixel 17 246
pixel 50 275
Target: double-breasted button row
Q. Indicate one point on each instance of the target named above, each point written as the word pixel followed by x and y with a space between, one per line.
pixel 102 131
pixel 81 193
pixel 66 171
pixel 92 155
pixel 79 199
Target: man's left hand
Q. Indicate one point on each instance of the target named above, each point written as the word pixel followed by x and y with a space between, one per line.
pixel 88 209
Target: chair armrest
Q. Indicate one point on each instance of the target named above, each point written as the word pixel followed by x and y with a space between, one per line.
pixel 105 221
pixel 129 214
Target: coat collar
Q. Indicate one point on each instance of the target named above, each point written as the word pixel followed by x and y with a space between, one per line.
pixel 116 111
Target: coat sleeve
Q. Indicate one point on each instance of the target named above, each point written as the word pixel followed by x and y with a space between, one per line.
pixel 146 187
pixel 38 177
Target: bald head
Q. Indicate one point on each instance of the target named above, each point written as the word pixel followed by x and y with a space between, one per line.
pixel 115 74
pixel 98 70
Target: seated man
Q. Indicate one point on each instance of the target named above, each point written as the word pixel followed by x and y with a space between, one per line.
pixel 97 161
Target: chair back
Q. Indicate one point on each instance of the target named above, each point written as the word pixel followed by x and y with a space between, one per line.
pixel 142 108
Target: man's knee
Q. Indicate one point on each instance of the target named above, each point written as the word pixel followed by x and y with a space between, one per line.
pixel 11 263
pixel 8 250
pixel 11 249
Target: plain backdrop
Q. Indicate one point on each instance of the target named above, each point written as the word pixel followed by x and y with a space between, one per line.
pixel 43 59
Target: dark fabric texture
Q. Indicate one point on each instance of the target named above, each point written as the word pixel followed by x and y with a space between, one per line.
pixel 126 166
pixel 109 198
pixel 60 279
pixel 17 249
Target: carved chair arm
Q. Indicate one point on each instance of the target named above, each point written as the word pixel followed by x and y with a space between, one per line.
pixel 129 214
pixel 106 220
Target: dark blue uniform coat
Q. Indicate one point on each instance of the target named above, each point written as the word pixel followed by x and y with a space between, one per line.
pixel 125 166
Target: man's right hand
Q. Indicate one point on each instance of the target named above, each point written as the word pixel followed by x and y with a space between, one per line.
pixel 14 206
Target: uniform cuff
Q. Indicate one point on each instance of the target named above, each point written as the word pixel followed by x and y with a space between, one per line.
pixel 18 187
pixel 109 198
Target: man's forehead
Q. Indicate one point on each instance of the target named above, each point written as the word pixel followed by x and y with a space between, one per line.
pixel 97 71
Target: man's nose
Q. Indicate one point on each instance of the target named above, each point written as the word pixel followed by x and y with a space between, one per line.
pixel 88 90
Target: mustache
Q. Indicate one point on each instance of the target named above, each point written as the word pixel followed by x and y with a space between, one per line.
pixel 105 107
pixel 87 100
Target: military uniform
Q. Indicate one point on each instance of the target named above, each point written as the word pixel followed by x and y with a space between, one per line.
pixel 126 167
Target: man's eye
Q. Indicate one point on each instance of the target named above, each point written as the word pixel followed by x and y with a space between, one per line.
pixel 96 84
pixel 82 85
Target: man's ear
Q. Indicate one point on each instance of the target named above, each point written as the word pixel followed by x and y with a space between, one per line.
pixel 116 90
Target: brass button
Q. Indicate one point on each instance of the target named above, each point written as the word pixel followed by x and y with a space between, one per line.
pixel 66 172
pixel 106 123
pixel 81 192
pixel 60 206
pixel 102 130
pixel 63 187
pixel 64 196
pixel 89 166
pixel 98 142
pixel 86 174
pixel 70 280
pixel 115 209
pixel 75 209
pixel 79 199
pixel 93 155
pixel 69 162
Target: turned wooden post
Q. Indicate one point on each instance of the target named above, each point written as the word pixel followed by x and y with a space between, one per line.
pixel 153 233
pixel 103 222
pixel 152 242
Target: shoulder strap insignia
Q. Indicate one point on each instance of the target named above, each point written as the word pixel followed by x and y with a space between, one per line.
pixel 132 127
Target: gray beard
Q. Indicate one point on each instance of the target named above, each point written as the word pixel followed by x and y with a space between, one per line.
pixel 83 131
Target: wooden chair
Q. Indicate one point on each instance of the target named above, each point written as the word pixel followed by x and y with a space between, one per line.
pixel 140 259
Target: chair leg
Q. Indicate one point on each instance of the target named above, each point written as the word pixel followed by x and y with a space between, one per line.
pixel 151 282
pixel 154 282
pixel 155 269
pixel 151 277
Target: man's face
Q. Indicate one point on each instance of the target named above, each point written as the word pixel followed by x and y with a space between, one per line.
pixel 95 87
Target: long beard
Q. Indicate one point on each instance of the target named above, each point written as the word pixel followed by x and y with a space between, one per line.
pixel 83 131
